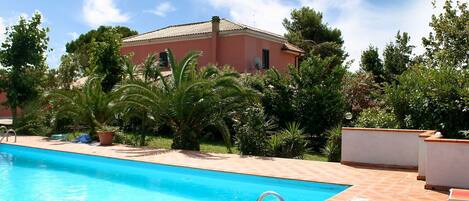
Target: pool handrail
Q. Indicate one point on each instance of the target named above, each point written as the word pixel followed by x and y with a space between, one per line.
pixel 267 193
pixel 6 133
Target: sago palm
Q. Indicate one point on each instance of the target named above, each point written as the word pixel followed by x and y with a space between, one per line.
pixel 190 100
pixel 89 105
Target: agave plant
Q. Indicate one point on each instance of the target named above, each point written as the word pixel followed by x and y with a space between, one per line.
pixel 189 100
pixel 89 105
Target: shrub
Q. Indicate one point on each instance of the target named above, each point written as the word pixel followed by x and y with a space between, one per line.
pixel 333 144
pixel 289 142
pixel 128 138
pixel 252 131
pixel 361 92
pixel 277 98
pixel 34 120
pixel 376 118
pixel 432 98
pixel 319 99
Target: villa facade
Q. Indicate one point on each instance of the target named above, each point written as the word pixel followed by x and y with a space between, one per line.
pixel 222 42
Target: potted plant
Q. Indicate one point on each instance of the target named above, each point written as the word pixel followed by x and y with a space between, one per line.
pixel 105 134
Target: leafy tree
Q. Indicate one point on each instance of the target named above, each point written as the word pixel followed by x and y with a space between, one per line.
pixel 431 98
pixel 23 54
pixel 361 92
pixel 106 60
pixel 69 70
pixel 319 100
pixel 189 100
pixel 449 42
pixel 277 97
pixel 83 44
pixel 370 62
pixel 307 30
pixel 51 80
pixel 377 117
pixel 397 56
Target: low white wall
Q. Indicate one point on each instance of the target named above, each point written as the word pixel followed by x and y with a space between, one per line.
pixel 392 147
pixel 422 157
pixel 447 163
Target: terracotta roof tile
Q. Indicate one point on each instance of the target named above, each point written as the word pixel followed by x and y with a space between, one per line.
pixel 194 29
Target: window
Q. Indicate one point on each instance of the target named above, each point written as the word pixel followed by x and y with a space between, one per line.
pixel 163 59
pixel 265 59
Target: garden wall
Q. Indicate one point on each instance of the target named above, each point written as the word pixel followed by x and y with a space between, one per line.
pixel 447 163
pixel 381 147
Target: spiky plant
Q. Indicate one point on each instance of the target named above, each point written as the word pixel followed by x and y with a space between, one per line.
pixel 90 105
pixel 189 100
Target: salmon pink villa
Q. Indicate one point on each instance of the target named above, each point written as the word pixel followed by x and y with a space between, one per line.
pixel 222 42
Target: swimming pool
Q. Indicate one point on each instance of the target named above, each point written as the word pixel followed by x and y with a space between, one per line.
pixel 30 174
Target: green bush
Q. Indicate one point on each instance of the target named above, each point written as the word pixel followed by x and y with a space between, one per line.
pixel 34 120
pixel 376 118
pixel 333 144
pixel 277 97
pixel 289 142
pixel 252 132
pixel 319 100
pixel 127 138
pixel 432 98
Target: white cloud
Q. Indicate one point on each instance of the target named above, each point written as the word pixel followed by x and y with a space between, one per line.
pixel 74 35
pixel 102 12
pixel 362 23
pixel 263 14
pixel 162 9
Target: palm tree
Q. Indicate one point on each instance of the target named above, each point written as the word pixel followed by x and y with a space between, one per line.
pixel 189 100
pixel 89 105
pixel 129 68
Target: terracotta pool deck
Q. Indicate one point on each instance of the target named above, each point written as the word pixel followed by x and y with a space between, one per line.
pixel 367 183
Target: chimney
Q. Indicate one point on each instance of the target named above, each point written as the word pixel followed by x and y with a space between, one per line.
pixel 215 24
pixel 215 30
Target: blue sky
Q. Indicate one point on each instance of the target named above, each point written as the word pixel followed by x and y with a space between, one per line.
pixel 362 22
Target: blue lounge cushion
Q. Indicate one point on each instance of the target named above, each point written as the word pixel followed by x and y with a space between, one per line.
pixel 83 138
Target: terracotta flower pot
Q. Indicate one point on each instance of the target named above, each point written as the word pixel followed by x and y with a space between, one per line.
pixel 105 137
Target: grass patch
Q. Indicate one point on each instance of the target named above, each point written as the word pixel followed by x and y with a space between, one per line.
pixel 315 157
pixel 164 142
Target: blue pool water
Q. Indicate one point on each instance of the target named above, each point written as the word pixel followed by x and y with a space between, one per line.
pixel 29 174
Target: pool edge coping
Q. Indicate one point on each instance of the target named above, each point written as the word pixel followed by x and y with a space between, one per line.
pixel 182 166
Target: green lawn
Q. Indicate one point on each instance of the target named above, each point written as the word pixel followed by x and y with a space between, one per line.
pixel 210 147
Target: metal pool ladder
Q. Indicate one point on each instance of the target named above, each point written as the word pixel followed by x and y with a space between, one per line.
pixel 267 193
pixel 6 133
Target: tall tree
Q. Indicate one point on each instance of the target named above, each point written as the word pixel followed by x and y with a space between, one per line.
pixel 82 45
pixel 23 54
pixel 448 44
pixel 106 60
pixel 319 99
pixel 69 70
pixel 370 62
pixel 397 56
pixel 307 30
